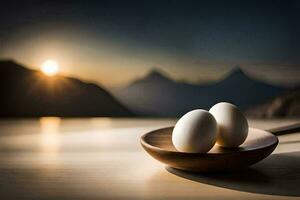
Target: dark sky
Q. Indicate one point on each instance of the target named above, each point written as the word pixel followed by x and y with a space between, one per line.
pixel 193 40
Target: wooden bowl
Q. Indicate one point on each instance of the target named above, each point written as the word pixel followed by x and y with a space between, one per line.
pixel 258 145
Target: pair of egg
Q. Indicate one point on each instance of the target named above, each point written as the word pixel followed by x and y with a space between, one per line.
pixel 198 130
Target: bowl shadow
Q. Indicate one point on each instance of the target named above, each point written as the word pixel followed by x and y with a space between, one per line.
pixel 279 174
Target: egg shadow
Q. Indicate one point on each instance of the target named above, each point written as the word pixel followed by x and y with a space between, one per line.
pixel 279 174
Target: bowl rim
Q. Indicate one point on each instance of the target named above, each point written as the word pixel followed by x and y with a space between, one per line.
pixel 146 145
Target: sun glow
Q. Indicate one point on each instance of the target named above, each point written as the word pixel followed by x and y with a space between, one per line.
pixel 50 67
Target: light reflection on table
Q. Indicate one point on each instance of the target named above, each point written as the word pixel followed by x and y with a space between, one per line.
pixel 53 158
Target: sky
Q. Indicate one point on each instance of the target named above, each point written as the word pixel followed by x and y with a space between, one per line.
pixel 115 42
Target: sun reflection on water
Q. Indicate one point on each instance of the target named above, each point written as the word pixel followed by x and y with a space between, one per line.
pixel 50 138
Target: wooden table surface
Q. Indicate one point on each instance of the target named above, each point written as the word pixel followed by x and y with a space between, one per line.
pixel 101 158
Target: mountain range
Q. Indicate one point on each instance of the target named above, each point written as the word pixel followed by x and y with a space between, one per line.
pixel 285 105
pixel 29 93
pixel 157 94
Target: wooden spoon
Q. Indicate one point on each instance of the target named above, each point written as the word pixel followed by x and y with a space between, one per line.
pixel 258 145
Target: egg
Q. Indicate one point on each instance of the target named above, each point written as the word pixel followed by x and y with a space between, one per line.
pixel 195 132
pixel 232 124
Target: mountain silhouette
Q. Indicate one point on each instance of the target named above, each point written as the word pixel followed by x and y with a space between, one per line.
pixel 157 74
pixel 29 93
pixel 158 95
pixel 285 105
pixel 154 76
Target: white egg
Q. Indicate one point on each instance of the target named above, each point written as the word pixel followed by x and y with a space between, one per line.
pixel 232 124
pixel 195 132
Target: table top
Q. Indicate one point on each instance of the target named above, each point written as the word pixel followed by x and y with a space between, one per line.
pixel 101 158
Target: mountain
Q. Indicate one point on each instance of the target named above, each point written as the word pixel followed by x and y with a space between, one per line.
pixel 285 105
pixel 243 90
pixel 29 93
pixel 158 95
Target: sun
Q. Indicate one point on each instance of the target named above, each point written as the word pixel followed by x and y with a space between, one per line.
pixel 50 67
